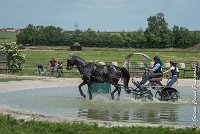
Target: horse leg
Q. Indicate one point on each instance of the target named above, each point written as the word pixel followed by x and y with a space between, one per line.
pixel 80 90
pixel 89 91
pixel 119 91
pixel 113 92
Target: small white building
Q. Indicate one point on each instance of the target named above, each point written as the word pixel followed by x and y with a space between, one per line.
pixel 9 29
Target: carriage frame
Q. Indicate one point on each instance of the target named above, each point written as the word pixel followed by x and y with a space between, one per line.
pixel 163 93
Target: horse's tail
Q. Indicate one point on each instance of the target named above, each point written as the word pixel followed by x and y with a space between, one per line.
pixel 125 76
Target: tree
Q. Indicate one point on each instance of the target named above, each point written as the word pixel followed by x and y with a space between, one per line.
pixel 181 37
pixel 27 35
pixel 156 35
pixel 53 35
pixel 157 32
pixel 91 38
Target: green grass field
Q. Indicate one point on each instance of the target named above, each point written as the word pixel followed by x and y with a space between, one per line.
pixel 7 36
pixel 110 54
pixel 11 125
pixel 41 55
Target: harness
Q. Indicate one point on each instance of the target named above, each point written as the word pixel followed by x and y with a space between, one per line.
pixel 114 70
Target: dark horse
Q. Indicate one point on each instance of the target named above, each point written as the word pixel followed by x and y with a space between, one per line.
pixel 93 73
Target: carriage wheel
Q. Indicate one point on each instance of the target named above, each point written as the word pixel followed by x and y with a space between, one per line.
pixel 134 94
pixel 148 95
pixel 170 94
pixel 158 94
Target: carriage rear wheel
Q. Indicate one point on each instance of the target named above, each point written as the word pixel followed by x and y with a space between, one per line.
pixel 169 94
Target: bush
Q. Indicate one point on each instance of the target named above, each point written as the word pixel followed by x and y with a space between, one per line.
pixel 15 58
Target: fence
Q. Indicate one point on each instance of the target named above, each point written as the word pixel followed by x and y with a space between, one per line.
pixel 135 67
pixel 3 62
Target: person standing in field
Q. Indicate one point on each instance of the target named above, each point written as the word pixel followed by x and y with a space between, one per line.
pixel 52 64
pixel 60 69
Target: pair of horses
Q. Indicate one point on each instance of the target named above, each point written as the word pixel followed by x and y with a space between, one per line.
pixel 94 73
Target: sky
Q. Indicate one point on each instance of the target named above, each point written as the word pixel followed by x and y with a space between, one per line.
pixel 102 15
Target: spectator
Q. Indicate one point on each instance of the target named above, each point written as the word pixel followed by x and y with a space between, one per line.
pixel 60 69
pixel 40 69
pixel 52 64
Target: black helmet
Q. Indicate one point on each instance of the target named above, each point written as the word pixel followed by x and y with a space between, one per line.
pixel 173 62
pixel 156 58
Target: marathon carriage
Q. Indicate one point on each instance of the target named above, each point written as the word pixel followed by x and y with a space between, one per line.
pixel 163 93
pixel 135 68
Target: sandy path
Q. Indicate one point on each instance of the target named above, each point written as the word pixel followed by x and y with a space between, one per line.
pixel 44 82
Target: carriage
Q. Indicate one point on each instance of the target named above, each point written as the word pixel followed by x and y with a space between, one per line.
pixel 136 64
pixel 92 73
pixel 163 93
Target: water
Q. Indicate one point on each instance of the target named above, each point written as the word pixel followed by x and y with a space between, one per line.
pixel 68 102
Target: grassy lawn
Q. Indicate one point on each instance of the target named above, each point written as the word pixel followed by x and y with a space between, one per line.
pixel 7 36
pixel 41 55
pixel 112 54
pixel 11 125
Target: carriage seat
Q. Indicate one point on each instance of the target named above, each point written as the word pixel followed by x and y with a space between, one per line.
pixel 158 77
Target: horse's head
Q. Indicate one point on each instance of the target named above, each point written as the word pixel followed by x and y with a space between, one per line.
pixel 75 60
pixel 70 62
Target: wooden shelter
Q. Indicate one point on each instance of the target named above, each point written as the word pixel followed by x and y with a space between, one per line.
pixel 76 47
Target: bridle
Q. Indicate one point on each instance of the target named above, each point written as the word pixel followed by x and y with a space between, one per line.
pixel 70 63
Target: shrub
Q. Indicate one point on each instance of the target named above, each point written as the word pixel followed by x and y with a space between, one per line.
pixel 15 58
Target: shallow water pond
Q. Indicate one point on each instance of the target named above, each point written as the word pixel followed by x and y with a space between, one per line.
pixel 67 101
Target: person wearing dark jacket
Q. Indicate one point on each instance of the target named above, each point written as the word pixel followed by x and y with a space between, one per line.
pixel 157 69
pixel 174 74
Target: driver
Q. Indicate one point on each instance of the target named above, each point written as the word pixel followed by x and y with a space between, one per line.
pixel 157 70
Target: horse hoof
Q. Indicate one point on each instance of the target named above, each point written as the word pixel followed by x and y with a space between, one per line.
pixel 84 96
pixel 112 96
pixel 118 98
pixel 128 91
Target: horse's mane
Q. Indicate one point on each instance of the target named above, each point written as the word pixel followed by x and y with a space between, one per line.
pixel 78 58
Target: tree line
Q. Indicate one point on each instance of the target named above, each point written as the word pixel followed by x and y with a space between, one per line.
pixel 156 35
